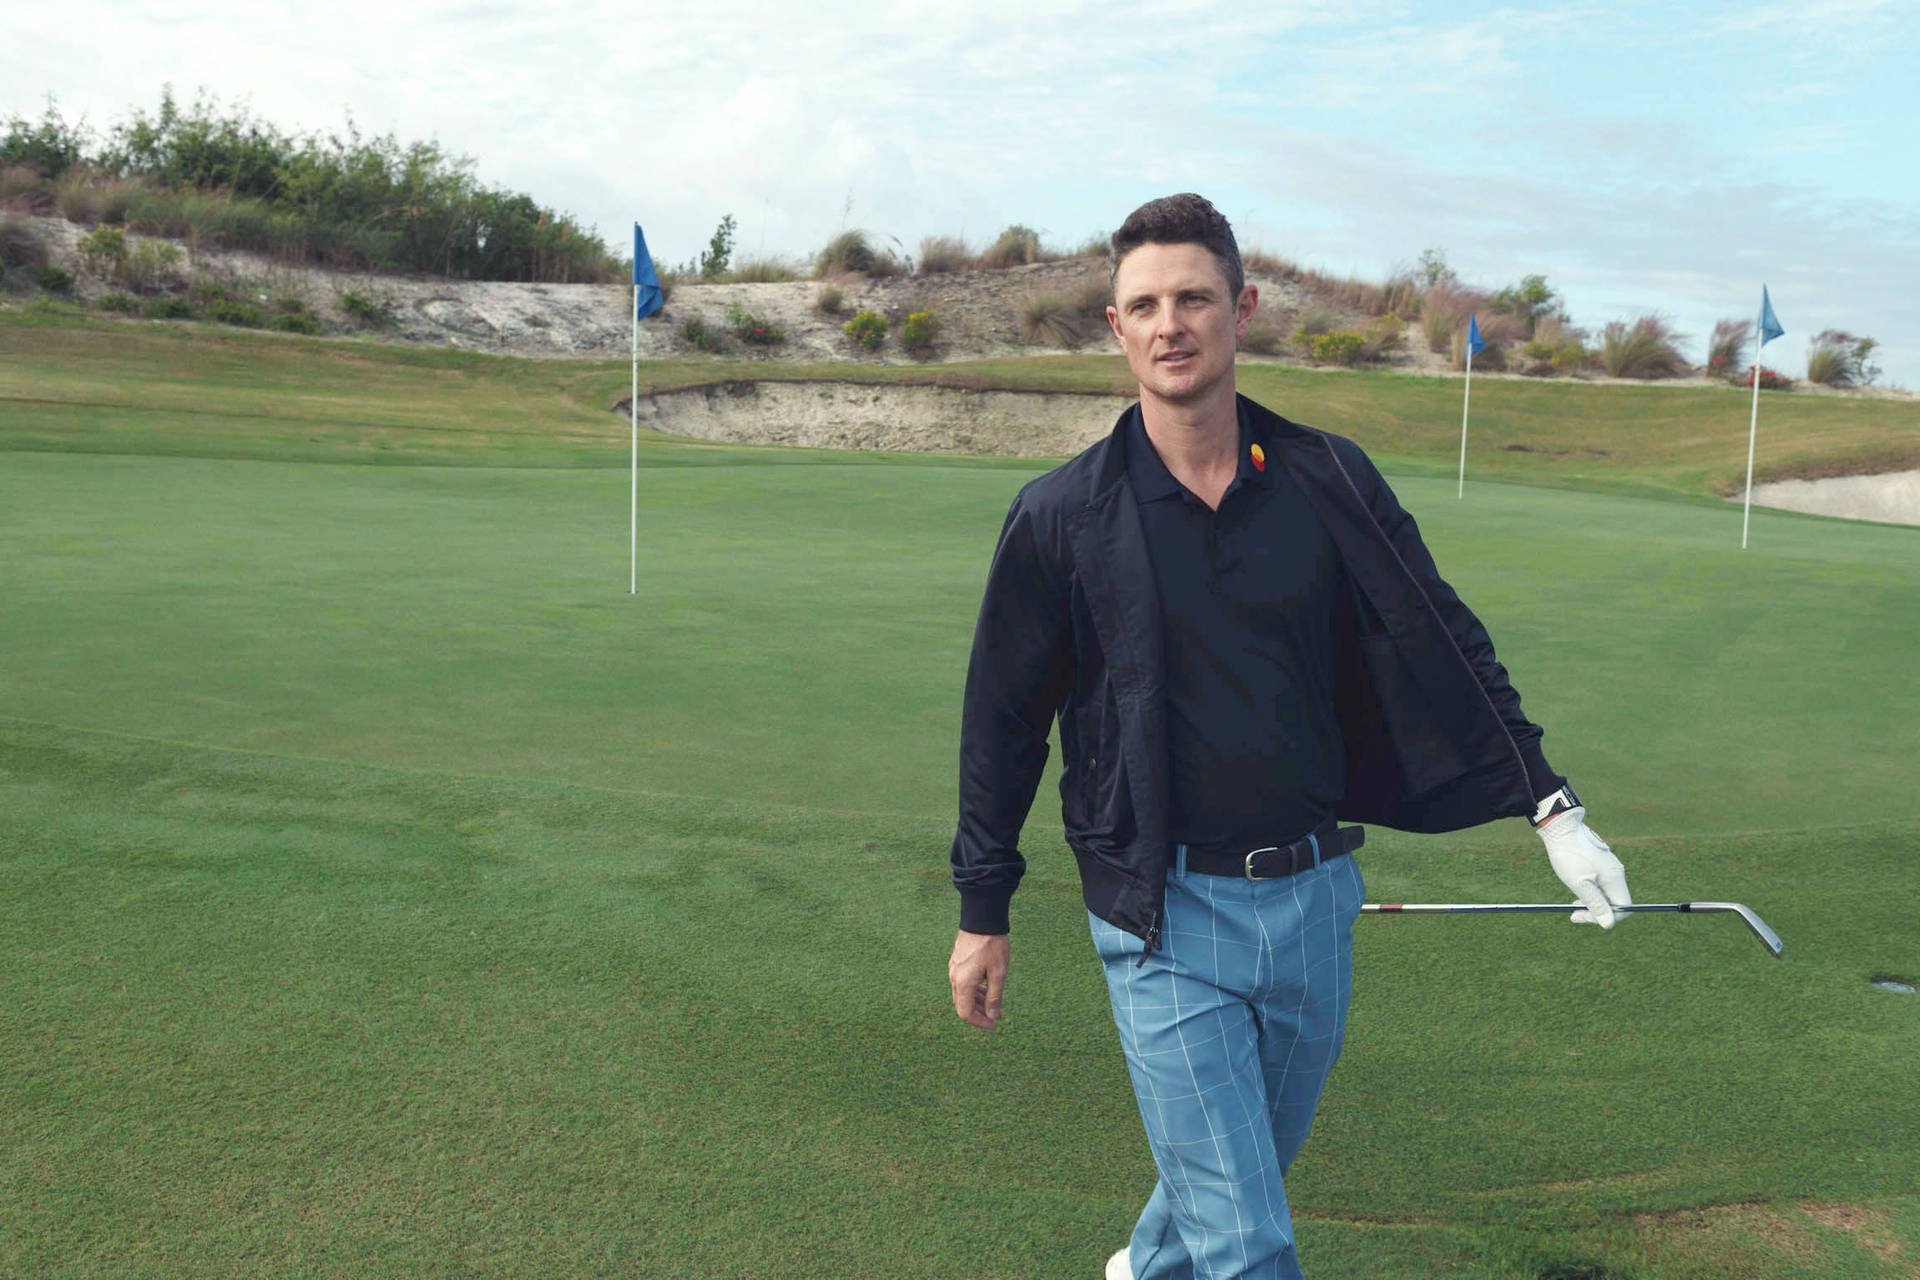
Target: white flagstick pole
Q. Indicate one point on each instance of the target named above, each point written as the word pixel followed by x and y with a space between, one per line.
pixel 633 424
pixel 1753 424
pixel 1465 400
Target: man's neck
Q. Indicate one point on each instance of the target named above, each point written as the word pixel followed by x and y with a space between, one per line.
pixel 1199 443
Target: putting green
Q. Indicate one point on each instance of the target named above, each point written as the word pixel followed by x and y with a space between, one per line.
pixel 386 891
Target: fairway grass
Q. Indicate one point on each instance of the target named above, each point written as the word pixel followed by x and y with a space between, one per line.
pixel 384 891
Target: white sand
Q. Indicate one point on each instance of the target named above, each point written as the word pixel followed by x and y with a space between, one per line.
pixel 1893 498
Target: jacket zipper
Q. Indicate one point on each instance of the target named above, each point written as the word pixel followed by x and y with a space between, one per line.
pixel 1153 940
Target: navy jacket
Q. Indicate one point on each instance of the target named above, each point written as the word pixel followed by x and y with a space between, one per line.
pixel 1070 626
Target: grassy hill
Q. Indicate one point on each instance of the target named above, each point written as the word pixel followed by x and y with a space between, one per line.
pixel 385 891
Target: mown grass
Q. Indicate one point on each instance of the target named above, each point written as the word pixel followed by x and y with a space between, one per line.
pixel 385 891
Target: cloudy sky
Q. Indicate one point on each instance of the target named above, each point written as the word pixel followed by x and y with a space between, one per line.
pixel 1645 157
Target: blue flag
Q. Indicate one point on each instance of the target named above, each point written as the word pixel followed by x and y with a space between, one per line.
pixel 647 298
pixel 1475 343
pixel 1769 323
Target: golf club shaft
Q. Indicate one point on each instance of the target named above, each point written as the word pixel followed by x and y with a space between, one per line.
pixel 1767 936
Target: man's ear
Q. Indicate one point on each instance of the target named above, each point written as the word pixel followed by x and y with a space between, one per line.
pixel 1244 307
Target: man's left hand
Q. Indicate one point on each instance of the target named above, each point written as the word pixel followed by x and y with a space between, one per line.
pixel 1587 866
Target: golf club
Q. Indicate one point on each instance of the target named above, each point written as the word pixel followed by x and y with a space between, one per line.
pixel 1768 938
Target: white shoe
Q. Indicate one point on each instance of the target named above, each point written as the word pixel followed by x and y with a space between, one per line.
pixel 1120 1266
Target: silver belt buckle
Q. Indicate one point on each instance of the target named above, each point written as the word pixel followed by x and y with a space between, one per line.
pixel 1272 848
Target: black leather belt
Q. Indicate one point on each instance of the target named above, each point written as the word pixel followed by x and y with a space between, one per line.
pixel 1273 862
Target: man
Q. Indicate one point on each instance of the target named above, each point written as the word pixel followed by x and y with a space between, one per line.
pixel 1242 637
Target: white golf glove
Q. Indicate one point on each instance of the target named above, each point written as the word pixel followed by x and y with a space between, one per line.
pixel 1582 859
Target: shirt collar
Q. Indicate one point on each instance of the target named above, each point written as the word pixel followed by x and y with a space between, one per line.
pixel 1152 481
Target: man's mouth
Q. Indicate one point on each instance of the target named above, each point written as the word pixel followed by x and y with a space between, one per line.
pixel 1174 357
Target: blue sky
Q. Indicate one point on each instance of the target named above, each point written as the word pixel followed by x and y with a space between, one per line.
pixel 1644 157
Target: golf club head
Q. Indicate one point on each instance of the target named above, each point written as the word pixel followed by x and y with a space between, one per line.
pixel 1768 938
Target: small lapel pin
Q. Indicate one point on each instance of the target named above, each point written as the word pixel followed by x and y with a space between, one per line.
pixel 1259 458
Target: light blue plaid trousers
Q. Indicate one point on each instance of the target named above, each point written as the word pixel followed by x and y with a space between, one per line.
pixel 1229 1029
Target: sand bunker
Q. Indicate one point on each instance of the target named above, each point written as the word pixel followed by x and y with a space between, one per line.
pixel 1893 498
pixel 847 415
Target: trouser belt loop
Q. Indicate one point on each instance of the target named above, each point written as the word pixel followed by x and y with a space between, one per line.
pixel 1180 859
pixel 1314 836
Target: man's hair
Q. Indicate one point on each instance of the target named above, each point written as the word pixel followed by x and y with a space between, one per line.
pixel 1182 219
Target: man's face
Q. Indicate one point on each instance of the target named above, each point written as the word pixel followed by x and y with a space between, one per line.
pixel 1175 321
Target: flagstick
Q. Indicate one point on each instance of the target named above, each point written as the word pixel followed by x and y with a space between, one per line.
pixel 1465 400
pixel 1753 424
pixel 633 423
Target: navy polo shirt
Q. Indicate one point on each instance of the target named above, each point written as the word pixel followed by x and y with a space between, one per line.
pixel 1248 592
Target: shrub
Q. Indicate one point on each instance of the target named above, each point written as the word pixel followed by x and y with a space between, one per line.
pixel 1838 359
pixel 1529 302
pixel 1098 245
pixel 1261 263
pixel 104 249
pixel 294 322
pixel 365 309
pixel 54 279
pixel 1644 349
pixel 148 265
pixel 1017 246
pixel 1263 339
pixel 763 271
pixel 25 191
pixel 942 253
pixel 829 301
pixel 163 307
pixel 233 311
pixel 1050 319
pixel 1727 349
pixel 713 262
pixel 120 303
pixel 750 328
pixel 848 252
pixel 1341 347
pixel 697 334
pixel 868 329
pixel 21 244
pixel 918 333
pixel 82 195
pixel 1769 379
pixel 1386 335
pixel 1314 321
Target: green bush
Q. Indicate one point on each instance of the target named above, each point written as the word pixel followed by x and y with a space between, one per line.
pixel 104 249
pixel 1386 335
pixel 918 333
pixel 868 329
pixel 719 251
pixel 120 303
pixel 163 307
pixel 233 311
pixel 701 336
pixel 294 322
pixel 201 172
pixel 1727 348
pixel 365 309
pixel 54 279
pixel 753 329
pixel 829 301
pixel 1341 347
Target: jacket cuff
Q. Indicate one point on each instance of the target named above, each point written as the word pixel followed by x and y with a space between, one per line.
pixel 1540 775
pixel 984 910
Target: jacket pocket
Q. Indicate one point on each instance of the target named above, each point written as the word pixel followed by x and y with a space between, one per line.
pixel 1422 744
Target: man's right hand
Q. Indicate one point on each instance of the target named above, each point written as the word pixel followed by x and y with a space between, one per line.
pixel 978 974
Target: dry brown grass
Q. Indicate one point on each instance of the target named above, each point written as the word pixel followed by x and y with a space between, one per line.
pixel 939 254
